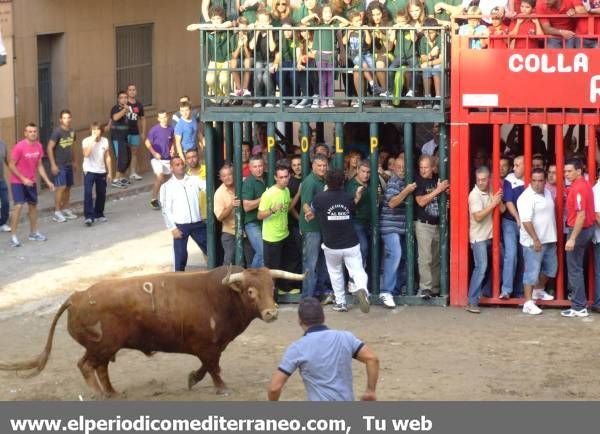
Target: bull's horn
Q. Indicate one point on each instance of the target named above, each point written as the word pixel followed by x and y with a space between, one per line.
pixel 232 278
pixel 280 274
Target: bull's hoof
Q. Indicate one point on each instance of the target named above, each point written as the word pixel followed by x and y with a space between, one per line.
pixel 192 380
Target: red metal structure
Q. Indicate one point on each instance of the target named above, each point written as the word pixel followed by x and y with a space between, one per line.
pixel 494 87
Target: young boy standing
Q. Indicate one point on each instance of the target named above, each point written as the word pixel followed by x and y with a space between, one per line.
pixel 96 171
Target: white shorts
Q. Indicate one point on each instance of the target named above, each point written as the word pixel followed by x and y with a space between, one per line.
pixel 161 166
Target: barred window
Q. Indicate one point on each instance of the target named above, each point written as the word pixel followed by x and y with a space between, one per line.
pixel 134 59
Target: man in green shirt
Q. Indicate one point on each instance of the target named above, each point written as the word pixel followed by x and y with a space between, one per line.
pixel 252 189
pixel 309 227
pixel 358 187
pixel 273 212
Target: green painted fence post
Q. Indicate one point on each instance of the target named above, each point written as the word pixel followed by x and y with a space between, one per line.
pixel 237 176
pixel 209 134
pixel 443 168
pixel 373 187
pixel 410 209
pixel 338 161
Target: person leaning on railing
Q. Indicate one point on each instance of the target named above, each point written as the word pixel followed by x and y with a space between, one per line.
pixel 241 58
pixel 430 52
pixel 264 45
pixel 562 30
pixel 377 16
pixel 525 26
pixel 219 46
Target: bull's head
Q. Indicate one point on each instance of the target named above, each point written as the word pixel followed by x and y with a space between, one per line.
pixel 257 289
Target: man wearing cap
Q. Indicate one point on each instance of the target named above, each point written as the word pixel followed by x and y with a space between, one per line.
pixel 324 357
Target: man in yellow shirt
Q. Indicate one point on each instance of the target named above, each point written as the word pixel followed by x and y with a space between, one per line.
pixel 196 169
pixel 273 211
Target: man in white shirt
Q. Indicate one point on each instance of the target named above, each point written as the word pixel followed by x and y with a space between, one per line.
pixel 179 199
pixel 538 238
pixel 96 171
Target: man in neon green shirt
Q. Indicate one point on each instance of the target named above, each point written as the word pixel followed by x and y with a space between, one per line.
pixel 273 211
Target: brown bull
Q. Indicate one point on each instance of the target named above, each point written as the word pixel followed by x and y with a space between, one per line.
pixel 196 313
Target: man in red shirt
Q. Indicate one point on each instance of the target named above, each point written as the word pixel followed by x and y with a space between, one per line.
pixel 562 28
pixel 580 222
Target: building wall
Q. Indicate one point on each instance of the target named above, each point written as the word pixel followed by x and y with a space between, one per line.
pixel 86 83
pixel 7 101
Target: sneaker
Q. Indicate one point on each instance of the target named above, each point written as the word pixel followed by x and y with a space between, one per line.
pixel 385 104
pixel 257 105
pixel 102 219
pixel 238 92
pixel 323 104
pixel 304 103
pixel 88 222
pixel 473 308
pixel 572 313
pixel 277 104
pixel 36 237
pixel 315 101
pixel 269 105
pixel 124 182
pixel 295 291
pixel 135 177
pixel 155 204
pixel 540 294
pixel 409 94
pixel 363 300
pixel 425 294
pixel 386 94
pixel 14 241
pixel 246 93
pixel 330 104
pixel 69 215
pixel 340 307
pixel 58 217
pixel 376 90
pixel 530 308
pixel 117 184
pixel 293 103
pixel 504 296
pixel 5 228
pixel 327 299
pixel 387 299
pixel 355 103
pixel 435 106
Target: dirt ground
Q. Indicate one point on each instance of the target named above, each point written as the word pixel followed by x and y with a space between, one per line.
pixel 426 353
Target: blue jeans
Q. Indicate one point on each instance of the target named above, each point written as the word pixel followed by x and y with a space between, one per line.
pixel 510 237
pixel 480 251
pixel 401 275
pixel 576 279
pixel 91 210
pixel 4 204
pixel 311 246
pixel 254 234
pixel 363 238
pixel 198 233
pixel 562 43
pixel 597 275
pixel 391 260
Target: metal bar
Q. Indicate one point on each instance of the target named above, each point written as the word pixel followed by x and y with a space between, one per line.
pixel 237 176
pixel 591 164
pixel 527 154
pixel 373 187
pixel 248 132
pixel 209 157
pixel 410 210
pixel 560 182
pixel 496 233
pixel 338 161
pixel 272 153
pixel 305 149
pixel 443 203
pixel 228 133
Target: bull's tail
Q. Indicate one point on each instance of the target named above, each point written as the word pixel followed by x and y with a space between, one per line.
pixel 38 363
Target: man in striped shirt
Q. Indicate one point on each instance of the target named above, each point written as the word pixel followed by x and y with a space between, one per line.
pixel 392 222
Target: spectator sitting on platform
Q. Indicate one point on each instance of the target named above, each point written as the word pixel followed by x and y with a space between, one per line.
pixel 498 30
pixel 474 27
pixel 241 57
pixel 525 27
pixel 219 48
pixel 377 16
pixel 562 29
pixel 430 53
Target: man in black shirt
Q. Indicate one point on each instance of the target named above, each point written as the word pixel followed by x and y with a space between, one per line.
pixel 119 130
pixel 137 128
pixel 294 261
pixel 429 187
pixel 334 209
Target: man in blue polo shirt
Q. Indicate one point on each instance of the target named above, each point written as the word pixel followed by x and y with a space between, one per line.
pixel 324 357
pixel 511 190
